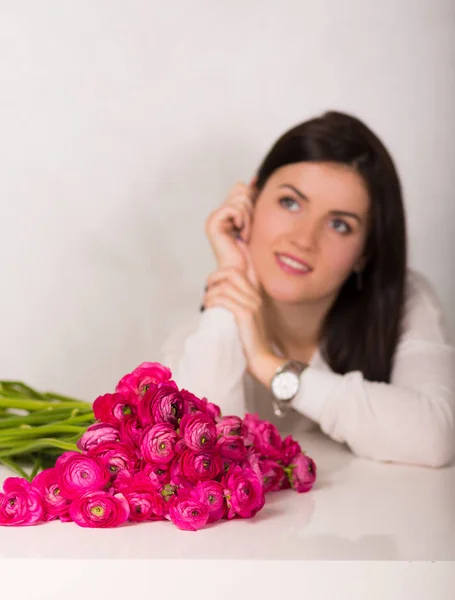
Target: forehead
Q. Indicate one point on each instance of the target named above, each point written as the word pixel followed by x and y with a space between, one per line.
pixel 332 185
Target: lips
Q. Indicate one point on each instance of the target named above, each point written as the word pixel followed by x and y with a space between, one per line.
pixel 300 265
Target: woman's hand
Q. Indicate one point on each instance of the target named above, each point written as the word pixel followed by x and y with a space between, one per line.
pixel 233 219
pixel 232 289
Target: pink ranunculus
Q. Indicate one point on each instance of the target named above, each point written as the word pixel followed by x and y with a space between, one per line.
pixel 116 457
pixel 188 513
pixel 145 376
pixel 158 443
pixel 131 431
pixel 226 464
pixel 157 474
pixel 214 411
pixel 267 438
pixel 211 493
pixel 199 466
pixel 244 493
pixel 302 473
pixel 99 509
pixel 192 404
pixel 145 502
pixel 250 423
pixel 96 434
pixel 230 426
pixel 289 449
pixel 78 473
pixel 232 448
pixel 198 431
pixel 161 405
pixel 273 475
pixel 114 408
pixel 20 503
pixel 55 505
pixel 253 461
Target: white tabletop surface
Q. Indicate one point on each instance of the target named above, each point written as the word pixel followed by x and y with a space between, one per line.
pixel 358 509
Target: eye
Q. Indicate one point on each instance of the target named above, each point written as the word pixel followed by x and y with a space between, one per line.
pixel 288 202
pixel 341 226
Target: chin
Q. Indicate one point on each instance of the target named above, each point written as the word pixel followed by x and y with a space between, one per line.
pixel 291 294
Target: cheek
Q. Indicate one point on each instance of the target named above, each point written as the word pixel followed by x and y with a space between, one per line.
pixel 341 254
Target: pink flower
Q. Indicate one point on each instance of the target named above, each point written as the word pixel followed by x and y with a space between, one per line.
pixel 157 474
pixel 188 513
pixel 191 403
pixel 116 456
pixel 145 376
pixel 199 466
pixel 273 475
pixel 158 443
pixel 114 408
pixel 302 473
pixel 232 448
pixel 161 405
pixel 244 493
pixel 289 449
pixel 211 494
pixel 20 503
pixel 78 473
pixel 145 503
pixel 213 410
pixel 131 431
pixel 99 509
pixel 230 427
pixel 266 437
pixel 55 505
pixel 198 431
pixel 96 434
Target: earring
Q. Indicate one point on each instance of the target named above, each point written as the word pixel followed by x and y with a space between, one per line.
pixel 359 280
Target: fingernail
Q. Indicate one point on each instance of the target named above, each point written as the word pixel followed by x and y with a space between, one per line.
pixel 202 308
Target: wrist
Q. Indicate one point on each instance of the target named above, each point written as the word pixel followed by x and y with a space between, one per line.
pixel 264 366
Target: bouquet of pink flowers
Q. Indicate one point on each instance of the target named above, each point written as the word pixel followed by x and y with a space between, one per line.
pixel 159 452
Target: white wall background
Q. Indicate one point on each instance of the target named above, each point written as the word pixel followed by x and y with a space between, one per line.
pixel 123 124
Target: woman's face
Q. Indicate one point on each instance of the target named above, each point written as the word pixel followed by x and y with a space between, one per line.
pixel 311 212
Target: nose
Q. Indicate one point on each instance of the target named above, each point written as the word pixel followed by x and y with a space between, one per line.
pixel 305 235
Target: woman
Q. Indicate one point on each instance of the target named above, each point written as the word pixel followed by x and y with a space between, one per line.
pixel 313 317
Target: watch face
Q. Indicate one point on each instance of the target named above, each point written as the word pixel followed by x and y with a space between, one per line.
pixel 285 385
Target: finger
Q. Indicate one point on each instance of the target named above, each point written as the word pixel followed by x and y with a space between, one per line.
pixel 228 293
pixel 224 219
pixel 231 279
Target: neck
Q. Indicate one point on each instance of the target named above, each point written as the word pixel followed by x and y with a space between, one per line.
pixel 295 326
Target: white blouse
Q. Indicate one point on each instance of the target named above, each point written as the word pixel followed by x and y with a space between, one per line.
pixel 409 420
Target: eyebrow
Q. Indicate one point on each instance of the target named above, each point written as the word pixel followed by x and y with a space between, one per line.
pixel 338 213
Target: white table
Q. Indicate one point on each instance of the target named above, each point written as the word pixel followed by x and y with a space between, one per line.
pixel 359 509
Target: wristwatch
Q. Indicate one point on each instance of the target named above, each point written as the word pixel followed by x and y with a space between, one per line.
pixel 285 385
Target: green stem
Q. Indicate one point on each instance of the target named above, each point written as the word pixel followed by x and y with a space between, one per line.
pixel 34 405
pixel 48 416
pixel 62 398
pixel 37 465
pixel 39 431
pixel 22 388
pixel 14 467
pixel 38 445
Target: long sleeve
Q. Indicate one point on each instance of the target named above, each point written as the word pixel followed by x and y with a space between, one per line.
pixel 207 359
pixel 410 420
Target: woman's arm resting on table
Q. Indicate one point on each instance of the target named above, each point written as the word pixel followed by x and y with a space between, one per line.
pixel 410 420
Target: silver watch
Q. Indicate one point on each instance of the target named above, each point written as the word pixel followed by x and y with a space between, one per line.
pixel 285 385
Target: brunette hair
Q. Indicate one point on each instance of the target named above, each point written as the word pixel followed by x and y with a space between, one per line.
pixel 362 328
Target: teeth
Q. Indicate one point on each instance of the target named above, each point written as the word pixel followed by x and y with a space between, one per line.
pixel 292 263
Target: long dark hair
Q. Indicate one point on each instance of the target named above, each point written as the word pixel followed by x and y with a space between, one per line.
pixel 362 328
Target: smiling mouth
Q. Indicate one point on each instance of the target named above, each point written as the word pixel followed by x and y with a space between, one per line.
pixel 291 265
